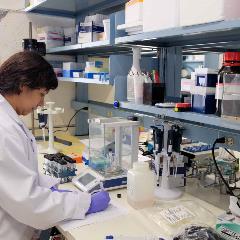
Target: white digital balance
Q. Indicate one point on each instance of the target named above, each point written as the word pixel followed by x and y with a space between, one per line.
pixel 91 181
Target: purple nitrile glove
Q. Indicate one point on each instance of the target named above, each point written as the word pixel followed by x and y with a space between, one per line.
pixel 99 202
pixel 55 189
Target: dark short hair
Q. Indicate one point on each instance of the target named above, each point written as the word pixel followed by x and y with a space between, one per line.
pixel 26 69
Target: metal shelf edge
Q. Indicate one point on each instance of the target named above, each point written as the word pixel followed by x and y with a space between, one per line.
pixel 205 119
pixel 181 31
pixel 84 80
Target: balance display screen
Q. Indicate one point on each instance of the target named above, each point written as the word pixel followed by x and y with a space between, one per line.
pixel 86 179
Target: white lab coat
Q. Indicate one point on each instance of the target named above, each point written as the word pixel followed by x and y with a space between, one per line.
pixel 26 202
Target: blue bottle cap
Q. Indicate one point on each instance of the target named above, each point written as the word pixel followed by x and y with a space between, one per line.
pixel 116 104
pixel 109 237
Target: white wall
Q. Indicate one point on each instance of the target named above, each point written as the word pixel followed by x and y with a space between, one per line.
pixel 12 4
pixel 14 28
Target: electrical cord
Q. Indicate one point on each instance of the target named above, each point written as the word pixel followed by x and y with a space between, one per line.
pixel 85 108
pixel 221 140
pixel 230 153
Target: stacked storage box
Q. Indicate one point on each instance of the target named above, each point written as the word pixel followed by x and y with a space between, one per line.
pixel 91 29
pixel 52 36
pixel 97 68
pixel 73 69
pixel 203 93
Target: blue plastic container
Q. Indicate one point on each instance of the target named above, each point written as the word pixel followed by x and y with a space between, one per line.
pixel 204 103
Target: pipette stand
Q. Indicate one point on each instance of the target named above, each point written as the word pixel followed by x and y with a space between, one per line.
pixel 50 111
pixel 164 191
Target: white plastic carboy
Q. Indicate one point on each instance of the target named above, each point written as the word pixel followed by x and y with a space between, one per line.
pixel 140 185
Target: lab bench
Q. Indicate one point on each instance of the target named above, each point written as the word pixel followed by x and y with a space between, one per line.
pixel 131 224
pixel 134 223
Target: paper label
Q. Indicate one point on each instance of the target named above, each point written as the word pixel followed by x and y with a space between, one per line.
pixel 176 214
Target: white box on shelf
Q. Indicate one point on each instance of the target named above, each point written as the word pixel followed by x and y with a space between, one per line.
pixel 106 25
pixel 89 32
pixel 205 11
pixel 73 66
pixel 186 84
pixel 77 74
pixel 133 11
pixel 97 18
pixel 52 36
pixel 72 69
pixel 160 14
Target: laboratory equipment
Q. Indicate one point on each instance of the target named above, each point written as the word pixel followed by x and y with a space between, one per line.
pixel 113 147
pixel 167 141
pixel 50 111
pixel 140 185
pixel 88 181
pixel 135 79
pixel 60 166
pixel 234 201
pixel 92 181
pixel 227 91
pixel 228 225
pixel 42 119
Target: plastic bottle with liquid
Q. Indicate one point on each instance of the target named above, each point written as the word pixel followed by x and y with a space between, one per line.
pixel 140 185
pixel 229 77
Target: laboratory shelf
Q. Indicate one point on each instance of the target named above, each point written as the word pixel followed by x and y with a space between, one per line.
pixel 196 118
pixel 72 8
pixel 84 80
pixel 194 61
pixel 200 127
pixel 210 36
pixel 92 48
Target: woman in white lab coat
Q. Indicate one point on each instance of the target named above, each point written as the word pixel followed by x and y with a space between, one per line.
pixel 27 199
